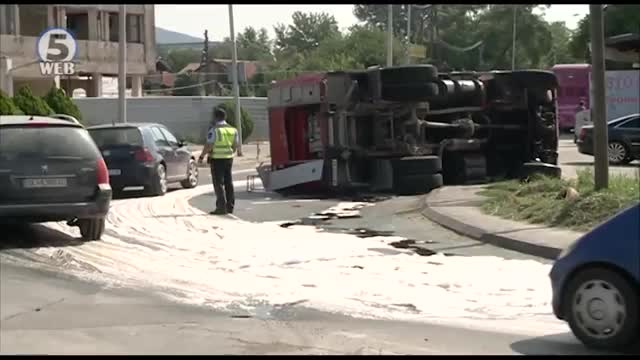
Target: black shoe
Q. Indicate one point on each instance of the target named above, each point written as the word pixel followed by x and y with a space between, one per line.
pixel 218 212
pixel 229 210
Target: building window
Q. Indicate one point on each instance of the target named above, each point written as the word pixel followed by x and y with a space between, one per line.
pixel 33 19
pixel 78 24
pixel 134 28
pixel 113 27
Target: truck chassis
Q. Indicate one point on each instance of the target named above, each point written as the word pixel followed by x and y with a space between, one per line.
pixel 409 129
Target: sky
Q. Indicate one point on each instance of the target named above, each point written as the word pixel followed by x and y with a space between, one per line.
pixel 194 19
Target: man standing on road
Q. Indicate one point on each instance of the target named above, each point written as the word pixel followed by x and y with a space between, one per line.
pixel 222 142
pixel 582 118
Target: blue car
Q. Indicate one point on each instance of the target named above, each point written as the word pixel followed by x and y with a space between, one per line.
pixel 596 283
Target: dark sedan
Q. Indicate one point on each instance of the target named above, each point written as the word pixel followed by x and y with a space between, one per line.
pixel 51 170
pixel 145 154
pixel 624 139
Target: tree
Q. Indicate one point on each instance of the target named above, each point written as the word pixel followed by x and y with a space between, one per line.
pixel 185 80
pixel 254 45
pixel 619 19
pixel 560 38
pixel 30 104
pixel 245 119
pixel 306 32
pixel 7 107
pixel 60 103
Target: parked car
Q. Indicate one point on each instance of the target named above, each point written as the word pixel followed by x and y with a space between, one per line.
pixel 145 154
pixel 51 170
pixel 624 139
pixel 596 283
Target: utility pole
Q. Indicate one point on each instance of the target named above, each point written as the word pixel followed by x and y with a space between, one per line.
pixel 598 104
pixel 122 65
pixel 409 34
pixel 513 47
pixel 234 75
pixel 390 35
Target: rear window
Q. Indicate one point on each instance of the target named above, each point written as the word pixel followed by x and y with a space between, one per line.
pixel 116 137
pixel 23 142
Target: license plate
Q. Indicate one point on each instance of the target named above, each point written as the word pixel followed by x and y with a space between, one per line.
pixel 45 183
pixel 114 172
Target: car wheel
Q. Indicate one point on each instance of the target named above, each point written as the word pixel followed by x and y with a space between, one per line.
pixel 192 176
pixel 159 185
pixel 91 229
pixel 617 153
pixel 417 165
pixel 601 307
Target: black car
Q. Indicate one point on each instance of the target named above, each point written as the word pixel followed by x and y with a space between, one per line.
pixel 624 139
pixel 51 170
pixel 145 154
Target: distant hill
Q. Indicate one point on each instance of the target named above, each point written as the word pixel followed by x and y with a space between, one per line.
pixel 164 36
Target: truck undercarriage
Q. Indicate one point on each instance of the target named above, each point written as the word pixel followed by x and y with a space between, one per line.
pixel 408 129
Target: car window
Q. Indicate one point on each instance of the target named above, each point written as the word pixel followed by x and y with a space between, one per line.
pixel 20 142
pixel 631 124
pixel 158 137
pixel 169 136
pixel 116 136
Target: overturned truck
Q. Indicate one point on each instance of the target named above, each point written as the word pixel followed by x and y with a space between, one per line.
pixel 408 129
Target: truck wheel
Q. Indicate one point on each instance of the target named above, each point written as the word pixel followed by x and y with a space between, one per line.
pixel 417 184
pixel 408 74
pixel 409 91
pixel 417 165
pixel 529 169
pixel 91 229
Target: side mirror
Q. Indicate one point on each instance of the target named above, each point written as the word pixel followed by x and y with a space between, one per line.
pixel 182 142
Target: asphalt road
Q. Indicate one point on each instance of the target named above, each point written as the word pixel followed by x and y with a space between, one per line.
pixel 571 160
pixel 50 313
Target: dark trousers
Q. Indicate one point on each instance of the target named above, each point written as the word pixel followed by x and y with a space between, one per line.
pixel 223 184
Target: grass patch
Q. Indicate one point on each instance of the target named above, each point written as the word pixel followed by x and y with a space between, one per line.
pixel 542 200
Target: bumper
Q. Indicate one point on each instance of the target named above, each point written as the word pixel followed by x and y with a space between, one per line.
pixel 559 274
pixel 584 147
pixel 35 212
pixel 140 175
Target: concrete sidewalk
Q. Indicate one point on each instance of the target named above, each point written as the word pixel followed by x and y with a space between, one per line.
pixel 457 208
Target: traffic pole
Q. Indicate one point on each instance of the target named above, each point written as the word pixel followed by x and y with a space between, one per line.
pixel 409 34
pixel 122 65
pixel 598 103
pixel 513 50
pixel 234 74
pixel 390 35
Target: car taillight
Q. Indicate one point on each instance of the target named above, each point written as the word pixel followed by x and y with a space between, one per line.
pixel 583 134
pixel 102 173
pixel 143 155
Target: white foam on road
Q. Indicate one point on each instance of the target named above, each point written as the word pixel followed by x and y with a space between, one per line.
pixel 196 258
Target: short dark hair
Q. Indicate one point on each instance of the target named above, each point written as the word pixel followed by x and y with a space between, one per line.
pixel 219 114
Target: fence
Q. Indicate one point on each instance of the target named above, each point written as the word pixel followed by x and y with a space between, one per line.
pixel 186 116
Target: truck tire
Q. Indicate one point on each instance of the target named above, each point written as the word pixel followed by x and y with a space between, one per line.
pixel 417 184
pixel 408 74
pixel 417 165
pixel 409 91
pixel 531 168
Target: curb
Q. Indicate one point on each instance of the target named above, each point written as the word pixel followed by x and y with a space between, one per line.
pixel 546 252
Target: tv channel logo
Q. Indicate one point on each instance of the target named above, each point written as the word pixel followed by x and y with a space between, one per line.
pixel 57 48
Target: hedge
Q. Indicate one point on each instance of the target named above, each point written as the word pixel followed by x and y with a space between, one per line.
pixel 247 123
pixel 7 106
pixel 62 104
pixel 30 104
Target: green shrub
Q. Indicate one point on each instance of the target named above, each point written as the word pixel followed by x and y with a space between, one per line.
pixel 7 107
pixel 30 104
pixel 62 104
pixel 247 123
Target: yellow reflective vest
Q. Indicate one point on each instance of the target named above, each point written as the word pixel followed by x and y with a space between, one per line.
pixel 223 145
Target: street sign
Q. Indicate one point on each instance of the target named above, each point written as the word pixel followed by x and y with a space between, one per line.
pixel 56 49
pixel 417 51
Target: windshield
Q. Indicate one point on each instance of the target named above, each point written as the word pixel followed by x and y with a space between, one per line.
pixel 20 142
pixel 117 137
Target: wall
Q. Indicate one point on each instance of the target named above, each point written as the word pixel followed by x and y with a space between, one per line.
pixel 186 116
